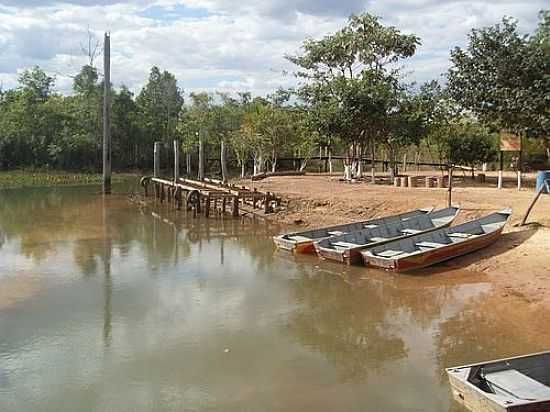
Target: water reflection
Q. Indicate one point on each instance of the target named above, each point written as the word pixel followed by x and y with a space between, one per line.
pixel 149 309
pixel 351 328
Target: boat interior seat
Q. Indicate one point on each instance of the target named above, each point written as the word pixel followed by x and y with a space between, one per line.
pixel 389 253
pixel 410 231
pixel 513 382
pixel 491 227
pixel 344 245
pixel 298 238
pixel 429 245
pixel 378 239
pixel 461 235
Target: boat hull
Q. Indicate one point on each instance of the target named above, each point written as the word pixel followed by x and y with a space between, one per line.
pixel 306 242
pixel 432 257
pixel 347 256
pixel 354 256
pixel 294 246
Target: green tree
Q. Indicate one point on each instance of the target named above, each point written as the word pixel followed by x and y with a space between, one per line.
pixel 348 74
pixel 36 82
pixel 160 103
pixel 502 76
pixel 127 138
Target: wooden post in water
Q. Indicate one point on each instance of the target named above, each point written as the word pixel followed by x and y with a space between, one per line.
pixel 156 160
pixel 107 115
pixel 176 161
pixel 235 206
pixel 223 162
pixel 207 205
pixel 201 158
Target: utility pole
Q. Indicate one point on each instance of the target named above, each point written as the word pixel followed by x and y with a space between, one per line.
pixel 107 115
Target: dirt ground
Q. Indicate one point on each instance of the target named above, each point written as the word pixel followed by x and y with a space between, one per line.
pixel 518 264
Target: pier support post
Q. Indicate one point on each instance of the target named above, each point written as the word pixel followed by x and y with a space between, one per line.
pixel 207 206
pixel 176 161
pixel 201 158
pixel 177 197
pixel 266 202
pixel 156 160
pixel 235 206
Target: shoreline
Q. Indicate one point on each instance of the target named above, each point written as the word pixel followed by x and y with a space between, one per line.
pixel 21 178
pixel 517 265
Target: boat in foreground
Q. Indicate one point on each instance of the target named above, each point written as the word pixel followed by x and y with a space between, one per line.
pixel 302 242
pixel 424 250
pixel 517 384
pixel 347 248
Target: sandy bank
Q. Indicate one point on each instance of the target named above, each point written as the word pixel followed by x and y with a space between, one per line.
pixel 518 264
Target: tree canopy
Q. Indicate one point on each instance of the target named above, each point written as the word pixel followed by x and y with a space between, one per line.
pixel 351 99
pixel 503 76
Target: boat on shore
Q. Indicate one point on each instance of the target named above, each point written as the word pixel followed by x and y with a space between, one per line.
pixel 518 384
pixel 302 242
pixel 423 250
pixel 346 248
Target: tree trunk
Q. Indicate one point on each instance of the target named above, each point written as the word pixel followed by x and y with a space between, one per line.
pixel 242 169
pixel 223 162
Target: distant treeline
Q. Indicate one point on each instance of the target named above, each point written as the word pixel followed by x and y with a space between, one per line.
pixel 350 100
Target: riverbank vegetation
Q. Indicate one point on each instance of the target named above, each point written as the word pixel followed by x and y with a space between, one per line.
pixel 351 100
pixel 30 178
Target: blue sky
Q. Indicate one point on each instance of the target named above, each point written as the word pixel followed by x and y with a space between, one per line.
pixel 222 44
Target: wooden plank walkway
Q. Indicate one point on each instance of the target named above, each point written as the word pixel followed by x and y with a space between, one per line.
pixel 203 197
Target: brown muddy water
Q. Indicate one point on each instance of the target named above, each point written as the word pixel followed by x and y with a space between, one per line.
pixel 106 307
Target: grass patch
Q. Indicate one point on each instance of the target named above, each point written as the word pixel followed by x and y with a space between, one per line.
pixel 30 178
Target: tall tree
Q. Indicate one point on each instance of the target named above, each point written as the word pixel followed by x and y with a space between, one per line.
pixel 502 76
pixel 346 74
pixel 160 103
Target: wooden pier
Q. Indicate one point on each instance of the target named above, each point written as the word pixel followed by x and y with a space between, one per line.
pixel 210 196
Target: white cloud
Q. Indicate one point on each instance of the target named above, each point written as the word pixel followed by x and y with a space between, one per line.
pixel 220 44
